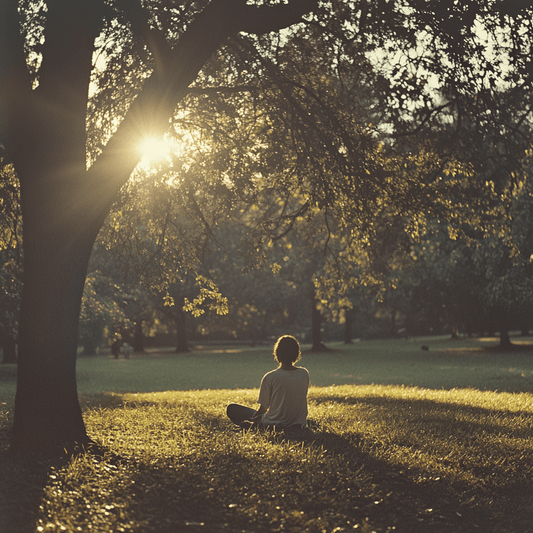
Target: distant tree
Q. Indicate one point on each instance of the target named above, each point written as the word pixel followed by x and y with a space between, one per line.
pixel 10 260
pixel 178 315
pixel 100 310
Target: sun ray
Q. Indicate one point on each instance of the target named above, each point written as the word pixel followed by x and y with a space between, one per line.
pixel 154 150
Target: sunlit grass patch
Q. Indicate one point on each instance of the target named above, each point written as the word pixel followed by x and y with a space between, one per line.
pixel 414 458
pixel 467 435
pixel 384 458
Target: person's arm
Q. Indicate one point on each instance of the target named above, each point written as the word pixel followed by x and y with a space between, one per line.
pixel 260 412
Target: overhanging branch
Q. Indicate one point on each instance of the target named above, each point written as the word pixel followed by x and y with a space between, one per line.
pixel 223 90
pixel 264 19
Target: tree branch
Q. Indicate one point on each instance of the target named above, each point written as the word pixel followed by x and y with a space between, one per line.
pixel 177 69
pixel 71 28
pixel 222 90
pixel 264 19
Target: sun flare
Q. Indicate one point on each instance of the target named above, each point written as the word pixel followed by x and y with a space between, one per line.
pixel 154 150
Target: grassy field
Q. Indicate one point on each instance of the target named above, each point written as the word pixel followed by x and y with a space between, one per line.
pixel 438 440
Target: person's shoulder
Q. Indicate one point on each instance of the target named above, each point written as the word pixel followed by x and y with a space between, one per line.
pixel 271 373
pixel 302 369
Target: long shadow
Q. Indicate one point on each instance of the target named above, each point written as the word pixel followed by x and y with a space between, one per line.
pixel 184 494
pixel 409 495
pixel 189 493
pixel 22 482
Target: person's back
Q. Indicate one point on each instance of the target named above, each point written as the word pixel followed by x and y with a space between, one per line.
pixel 282 394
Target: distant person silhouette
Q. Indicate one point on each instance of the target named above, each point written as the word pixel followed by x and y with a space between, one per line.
pixel 126 350
pixel 115 347
pixel 282 394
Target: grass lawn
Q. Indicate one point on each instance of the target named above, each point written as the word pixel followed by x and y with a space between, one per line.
pixel 410 440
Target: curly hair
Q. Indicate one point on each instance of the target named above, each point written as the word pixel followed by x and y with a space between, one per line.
pixel 287 350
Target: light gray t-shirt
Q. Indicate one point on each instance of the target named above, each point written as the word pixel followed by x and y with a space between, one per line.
pixel 284 392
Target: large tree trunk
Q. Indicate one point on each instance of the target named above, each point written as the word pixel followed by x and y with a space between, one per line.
pixel 62 213
pixel 9 345
pixel 56 254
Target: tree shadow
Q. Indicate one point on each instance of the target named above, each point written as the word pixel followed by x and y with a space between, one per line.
pixel 434 502
pixel 22 482
pixel 402 498
pixel 106 400
pixel 211 490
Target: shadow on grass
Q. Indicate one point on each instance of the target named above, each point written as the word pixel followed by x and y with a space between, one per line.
pixel 22 482
pixel 377 492
pixel 103 400
pixel 348 476
pixel 413 499
pixel 484 455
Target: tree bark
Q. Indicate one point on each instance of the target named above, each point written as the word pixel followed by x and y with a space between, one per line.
pixel 316 327
pixel 348 325
pixel 56 255
pixel 138 337
pixel 62 213
pixel 9 345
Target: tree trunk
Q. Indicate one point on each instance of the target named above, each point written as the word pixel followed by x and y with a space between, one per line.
pixel 316 327
pixel 393 323
pixel 505 339
pixel 348 325
pixel 455 331
pixel 56 255
pixel 10 349
pixel 138 337
pixel 182 345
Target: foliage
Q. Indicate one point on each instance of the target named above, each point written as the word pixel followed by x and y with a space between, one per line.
pixel 100 311
pixel 10 216
pixel 10 258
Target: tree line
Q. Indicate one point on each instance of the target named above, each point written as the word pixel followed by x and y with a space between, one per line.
pixel 472 283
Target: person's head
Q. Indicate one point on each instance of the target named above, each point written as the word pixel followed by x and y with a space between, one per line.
pixel 286 350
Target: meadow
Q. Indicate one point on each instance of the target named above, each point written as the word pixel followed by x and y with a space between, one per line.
pixel 409 440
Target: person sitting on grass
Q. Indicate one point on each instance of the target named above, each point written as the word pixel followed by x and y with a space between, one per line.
pixel 282 394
